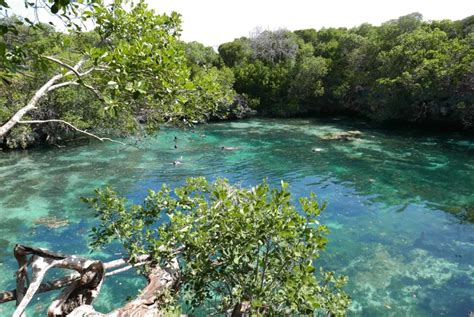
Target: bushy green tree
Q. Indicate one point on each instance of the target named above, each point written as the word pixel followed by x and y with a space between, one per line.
pixel 199 55
pixel 243 250
pixel 306 84
pixel 406 70
pixel 236 52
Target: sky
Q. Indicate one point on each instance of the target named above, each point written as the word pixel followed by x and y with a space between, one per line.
pixel 213 22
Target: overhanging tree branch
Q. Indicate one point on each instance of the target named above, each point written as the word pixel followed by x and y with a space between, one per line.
pixel 40 93
pixel 64 84
pixel 75 70
pixel 76 83
pixel 7 126
pixel 72 126
pixel 50 86
pixel 72 69
pixel 95 91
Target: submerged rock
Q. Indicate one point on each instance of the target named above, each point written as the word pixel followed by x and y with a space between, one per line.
pixel 343 136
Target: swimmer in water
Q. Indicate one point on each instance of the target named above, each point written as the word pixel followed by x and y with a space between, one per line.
pixel 178 161
pixel 229 148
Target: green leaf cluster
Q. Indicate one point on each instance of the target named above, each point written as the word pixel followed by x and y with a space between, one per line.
pixel 236 247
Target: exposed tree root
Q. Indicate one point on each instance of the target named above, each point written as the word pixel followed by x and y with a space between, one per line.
pixel 82 286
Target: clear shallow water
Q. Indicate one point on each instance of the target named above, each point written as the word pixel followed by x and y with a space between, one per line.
pixel 401 205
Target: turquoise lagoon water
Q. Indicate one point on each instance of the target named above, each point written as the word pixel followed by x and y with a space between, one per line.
pixel 400 205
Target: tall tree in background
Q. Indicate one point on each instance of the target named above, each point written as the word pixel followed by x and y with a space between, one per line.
pixel 406 70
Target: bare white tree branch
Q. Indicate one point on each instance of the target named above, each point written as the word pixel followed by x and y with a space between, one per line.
pixel 83 286
pixel 72 126
pixel 75 69
pixel 7 126
pixel 63 84
pixel 72 70
pixel 79 75
pixel 76 83
pixel 40 267
pixel 90 70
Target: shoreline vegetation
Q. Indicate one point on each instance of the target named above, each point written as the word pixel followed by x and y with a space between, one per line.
pixel 404 73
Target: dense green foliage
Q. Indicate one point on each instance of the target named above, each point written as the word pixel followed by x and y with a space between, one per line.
pixel 236 247
pixel 140 71
pixel 66 11
pixel 404 70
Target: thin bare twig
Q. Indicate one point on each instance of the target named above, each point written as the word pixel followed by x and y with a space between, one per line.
pixel 126 268
pixel 75 83
pixel 64 84
pixel 95 91
pixel 90 70
pixel 72 126
pixel 63 64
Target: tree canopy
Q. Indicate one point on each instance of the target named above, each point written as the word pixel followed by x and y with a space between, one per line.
pixel 406 70
pixel 246 250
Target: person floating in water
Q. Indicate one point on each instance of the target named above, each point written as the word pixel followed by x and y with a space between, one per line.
pixel 178 161
pixel 229 148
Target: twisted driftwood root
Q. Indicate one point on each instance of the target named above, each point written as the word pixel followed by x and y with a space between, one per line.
pixel 82 286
